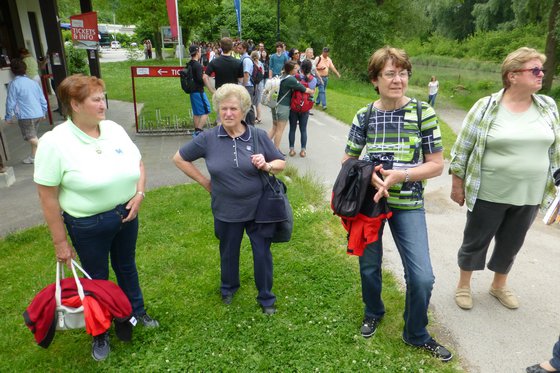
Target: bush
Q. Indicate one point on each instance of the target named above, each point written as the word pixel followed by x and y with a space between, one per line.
pixel 76 60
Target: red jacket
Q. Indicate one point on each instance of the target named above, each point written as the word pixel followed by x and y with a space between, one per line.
pixel 40 316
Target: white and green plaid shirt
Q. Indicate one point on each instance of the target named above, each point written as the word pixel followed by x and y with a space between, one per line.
pixel 466 154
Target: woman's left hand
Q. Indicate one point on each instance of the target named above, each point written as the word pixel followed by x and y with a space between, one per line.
pixel 133 206
pixel 259 162
pixel 390 178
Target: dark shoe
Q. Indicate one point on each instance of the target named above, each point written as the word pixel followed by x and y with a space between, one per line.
pixel 227 299
pixel 147 321
pixel 437 350
pixel 197 131
pixel 538 369
pixel 100 347
pixel 268 310
pixel 369 326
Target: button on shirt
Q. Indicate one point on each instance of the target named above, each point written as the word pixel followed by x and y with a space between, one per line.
pixel 25 99
pixel 236 183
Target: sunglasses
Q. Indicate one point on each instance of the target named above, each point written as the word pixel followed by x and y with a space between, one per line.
pixel 535 71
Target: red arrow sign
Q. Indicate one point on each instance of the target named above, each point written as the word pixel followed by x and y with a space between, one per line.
pixel 156 71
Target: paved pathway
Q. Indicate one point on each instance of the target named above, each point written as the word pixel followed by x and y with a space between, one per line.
pixel 489 338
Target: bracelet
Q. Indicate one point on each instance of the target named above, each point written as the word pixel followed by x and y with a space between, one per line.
pixel 142 194
pixel 406 175
pixel 269 167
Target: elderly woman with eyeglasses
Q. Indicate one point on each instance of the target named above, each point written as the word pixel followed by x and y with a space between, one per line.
pixel 502 165
pixel 405 130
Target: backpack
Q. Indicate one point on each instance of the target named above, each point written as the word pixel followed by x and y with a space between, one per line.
pixel 270 92
pixel 301 102
pixel 187 79
pixel 257 75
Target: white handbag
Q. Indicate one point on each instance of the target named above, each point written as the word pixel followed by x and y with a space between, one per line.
pixel 69 317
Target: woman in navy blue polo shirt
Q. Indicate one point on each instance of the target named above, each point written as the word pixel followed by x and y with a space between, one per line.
pixel 235 187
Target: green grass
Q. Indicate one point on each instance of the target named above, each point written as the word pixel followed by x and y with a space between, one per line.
pixel 163 94
pixel 316 282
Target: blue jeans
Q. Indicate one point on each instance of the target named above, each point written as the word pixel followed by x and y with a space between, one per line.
pixel 432 100
pixel 98 236
pixel 230 236
pixel 302 118
pixel 322 95
pixel 410 234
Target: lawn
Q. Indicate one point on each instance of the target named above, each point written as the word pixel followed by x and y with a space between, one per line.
pixel 316 282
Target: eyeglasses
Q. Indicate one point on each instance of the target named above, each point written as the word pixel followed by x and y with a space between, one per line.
pixel 403 74
pixel 535 71
pixel 296 52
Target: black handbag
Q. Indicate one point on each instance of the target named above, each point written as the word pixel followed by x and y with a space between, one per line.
pixel 274 206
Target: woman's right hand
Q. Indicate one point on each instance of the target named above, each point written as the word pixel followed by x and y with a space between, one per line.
pixel 457 190
pixel 64 252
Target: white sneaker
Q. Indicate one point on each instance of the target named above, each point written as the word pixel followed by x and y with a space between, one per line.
pixel 29 160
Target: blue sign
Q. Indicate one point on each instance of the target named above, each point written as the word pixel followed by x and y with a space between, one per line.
pixel 237 5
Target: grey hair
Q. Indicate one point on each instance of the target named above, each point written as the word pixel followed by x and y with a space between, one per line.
pixel 230 90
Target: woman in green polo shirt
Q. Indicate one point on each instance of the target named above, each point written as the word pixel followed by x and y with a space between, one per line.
pixel 91 181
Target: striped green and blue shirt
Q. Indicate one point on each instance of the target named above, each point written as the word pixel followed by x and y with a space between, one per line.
pixel 399 134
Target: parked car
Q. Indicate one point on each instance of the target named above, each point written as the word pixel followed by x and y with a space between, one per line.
pixel 115 44
pixel 133 44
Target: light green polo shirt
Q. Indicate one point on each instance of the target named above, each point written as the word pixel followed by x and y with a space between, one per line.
pixel 515 163
pixel 93 174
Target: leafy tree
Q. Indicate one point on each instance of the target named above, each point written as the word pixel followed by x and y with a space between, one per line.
pixel 551 48
pixel 493 15
pixel 452 18
pixel 150 15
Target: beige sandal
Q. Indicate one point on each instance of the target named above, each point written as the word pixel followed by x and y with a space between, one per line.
pixel 463 298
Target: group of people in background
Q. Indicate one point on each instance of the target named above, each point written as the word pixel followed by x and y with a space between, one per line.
pixel 236 61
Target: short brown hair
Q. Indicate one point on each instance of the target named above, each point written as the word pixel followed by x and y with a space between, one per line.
pixel 226 44
pixel 77 87
pixel 380 57
pixel 18 67
pixel 515 61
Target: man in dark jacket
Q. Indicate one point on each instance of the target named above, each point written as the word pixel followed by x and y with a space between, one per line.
pixel 199 102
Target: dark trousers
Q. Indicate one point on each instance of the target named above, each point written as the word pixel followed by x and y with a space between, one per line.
pixel 555 361
pixel 506 224
pixel 98 236
pixel 230 236
pixel 302 119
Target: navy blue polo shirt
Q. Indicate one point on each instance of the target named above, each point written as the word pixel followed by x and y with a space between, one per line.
pixel 236 184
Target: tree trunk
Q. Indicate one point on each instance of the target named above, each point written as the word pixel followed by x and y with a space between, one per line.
pixel 551 47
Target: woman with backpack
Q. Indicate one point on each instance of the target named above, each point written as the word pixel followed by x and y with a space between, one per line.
pixel 281 112
pixel 258 81
pixel 299 110
pixel 394 130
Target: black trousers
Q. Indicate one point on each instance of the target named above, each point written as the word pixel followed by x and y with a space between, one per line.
pixel 506 224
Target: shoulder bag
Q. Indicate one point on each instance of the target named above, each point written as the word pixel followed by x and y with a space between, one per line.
pixel 274 206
